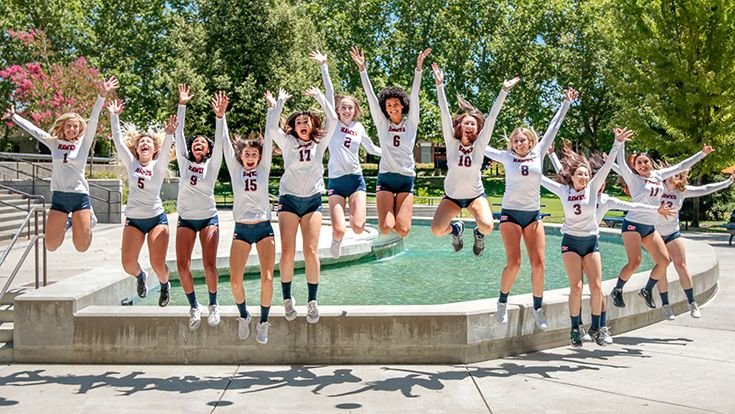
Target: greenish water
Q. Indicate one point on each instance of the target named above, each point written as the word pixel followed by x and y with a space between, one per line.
pixel 428 271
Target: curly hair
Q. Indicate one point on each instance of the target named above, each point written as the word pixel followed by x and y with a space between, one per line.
pixel 190 153
pixel 317 132
pixel 254 140
pixel 57 130
pixel 338 100
pixel 393 92
pixel 468 110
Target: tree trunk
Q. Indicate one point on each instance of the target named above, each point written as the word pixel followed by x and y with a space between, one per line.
pixel 695 205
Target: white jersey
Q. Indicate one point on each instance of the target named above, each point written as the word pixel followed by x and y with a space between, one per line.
pixel 344 146
pixel 605 202
pixel 580 207
pixel 197 179
pixel 523 174
pixel 250 187
pixel 303 174
pixel 675 199
pixel 648 190
pixel 396 140
pixel 68 158
pixel 464 163
pixel 144 181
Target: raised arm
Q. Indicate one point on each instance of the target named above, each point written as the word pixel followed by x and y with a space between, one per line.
pixel 553 129
pixel 495 154
pixel 703 190
pixel 162 161
pixel 182 152
pixel 686 164
pixel 555 161
pixel 367 143
pixel 622 166
pixel 551 185
pixel 104 87
pixel 446 117
pixel 26 125
pixel 413 108
pixel 483 138
pixel 274 116
pixel 321 59
pixel 123 152
pixel 381 123
pixel 621 136
pixel 331 117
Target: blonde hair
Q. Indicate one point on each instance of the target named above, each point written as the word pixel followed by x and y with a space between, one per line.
pixel 131 137
pixel 358 110
pixel 57 130
pixel 528 132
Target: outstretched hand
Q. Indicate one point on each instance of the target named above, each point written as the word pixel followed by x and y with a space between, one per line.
pixel 508 84
pixel 282 94
pixel 9 113
pixel 318 57
pixel 171 125
pixel 550 150
pixel 438 73
pixel 116 106
pixel 667 211
pixel 184 94
pixel 313 91
pixel 108 85
pixel 269 99
pixel 623 134
pixel 571 94
pixel 219 103
pixel 358 56
pixel 420 59
pixel 708 149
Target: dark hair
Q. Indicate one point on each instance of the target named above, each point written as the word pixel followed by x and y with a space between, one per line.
pixel 254 140
pixel 634 157
pixel 570 163
pixel 393 92
pixel 190 153
pixel 469 110
pixel 317 132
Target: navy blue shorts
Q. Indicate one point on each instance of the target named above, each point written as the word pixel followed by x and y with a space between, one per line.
pixel 671 237
pixel 300 206
pixel 643 229
pixel 198 225
pixel 253 233
pixel 580 245
pixel 70 202
pixel 147 224
pixel 519 217
pixel 346 185
pixel 394 183
pixel 463 202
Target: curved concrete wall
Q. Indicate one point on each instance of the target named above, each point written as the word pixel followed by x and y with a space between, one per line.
pixel 79 320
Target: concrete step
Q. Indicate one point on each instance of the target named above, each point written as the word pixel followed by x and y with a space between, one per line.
pixel 10 295
pixel 6 352
pixel 11 225
pixel 7 313
pixel 6 332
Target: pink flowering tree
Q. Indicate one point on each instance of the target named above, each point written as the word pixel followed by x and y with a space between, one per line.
pixel 43 89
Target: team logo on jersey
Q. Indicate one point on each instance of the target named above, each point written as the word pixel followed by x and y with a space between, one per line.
pixel 564 248
pixel 503 218
pixel 330 192
pixel 66 147
pixel 347 131
pixel 667 195
pixel 195 169
pixel 631 227
pixel 377 188
pixel 466 150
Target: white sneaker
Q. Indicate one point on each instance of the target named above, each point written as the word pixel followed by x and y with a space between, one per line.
pixel 213 318
pixel 195 318
pixel 540 318
pixel 694 310
pixel 312 312
pixel 606 335
pixel 261 330
pixel 336 248
pixel 501 315
pixel 243 327
pixel 288 309
pixel 668 312
pixel 584 335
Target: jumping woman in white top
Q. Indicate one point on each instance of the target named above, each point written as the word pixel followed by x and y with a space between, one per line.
pixel 396 120
pixel 69 141
pixel 146 159
pixel 465 137
pixel 345 173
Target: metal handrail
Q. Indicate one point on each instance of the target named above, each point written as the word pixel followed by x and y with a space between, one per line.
pixel 34 243
pixel 19 158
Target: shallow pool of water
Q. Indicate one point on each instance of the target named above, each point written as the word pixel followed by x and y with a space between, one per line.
pixel 428 271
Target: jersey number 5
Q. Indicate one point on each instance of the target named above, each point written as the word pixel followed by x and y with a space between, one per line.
pixel 347 142
pixel 141 182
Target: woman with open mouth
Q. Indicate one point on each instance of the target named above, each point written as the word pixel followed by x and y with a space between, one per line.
pixel 396 119
pixel 199 161
pixel 345 173
pixel 303 143
pixel 145 158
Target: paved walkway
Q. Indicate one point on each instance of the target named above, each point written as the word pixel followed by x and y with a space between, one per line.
pixel 684 366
